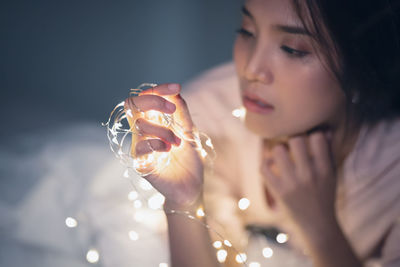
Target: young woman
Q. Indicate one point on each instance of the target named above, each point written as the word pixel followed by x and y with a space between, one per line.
pixel 320 84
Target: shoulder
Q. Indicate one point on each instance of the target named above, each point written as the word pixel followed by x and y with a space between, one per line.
pixel 378 148
pixel 369 195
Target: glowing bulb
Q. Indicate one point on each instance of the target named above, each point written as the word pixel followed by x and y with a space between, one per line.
pixel 154 115
pixel 156 201
pixel 163 264
pixel 208 143
pixel 282 238
pixel 239 112
pixel 227 243
pixel 92 256
pixel 217 244
pixel 71 222
pixel 243 203
pixel 254 264
pixel 137 204
pixel 126 172
pixel 221 255
pixel 203 153
pixel 200 212
pixel 133 235
pixel 267 252
pixel 241 257
pixel 133 195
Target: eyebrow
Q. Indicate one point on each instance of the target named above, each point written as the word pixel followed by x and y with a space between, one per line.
pixel 246 12
pixel 282 28
pixel 291 29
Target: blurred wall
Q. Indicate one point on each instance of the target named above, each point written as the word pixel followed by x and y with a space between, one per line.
pixel 71 61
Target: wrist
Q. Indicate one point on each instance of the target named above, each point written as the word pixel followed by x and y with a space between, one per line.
pixel 322 232
pixel 188 207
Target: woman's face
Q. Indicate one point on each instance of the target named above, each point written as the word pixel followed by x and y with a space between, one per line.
pixel 285 87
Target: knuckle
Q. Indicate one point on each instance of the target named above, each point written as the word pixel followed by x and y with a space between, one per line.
pixel 158 145
pixel 155 102
pixel 140 148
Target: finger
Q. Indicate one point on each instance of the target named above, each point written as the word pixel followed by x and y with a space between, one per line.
pixel 271 179
pixel 303 163
pixel 282 159
pixel 182 114
pixel 163 89
pixel 150 145
pixel 149 102
pixel 147 128
pixel 322 154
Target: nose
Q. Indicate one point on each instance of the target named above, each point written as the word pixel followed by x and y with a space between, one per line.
pixel 258 67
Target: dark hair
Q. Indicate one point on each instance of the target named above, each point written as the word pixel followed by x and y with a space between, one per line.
pixel 360 41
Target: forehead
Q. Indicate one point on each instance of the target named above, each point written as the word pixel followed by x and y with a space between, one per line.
pixel 273 11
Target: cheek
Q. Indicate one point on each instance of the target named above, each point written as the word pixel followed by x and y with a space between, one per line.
pixel 316 97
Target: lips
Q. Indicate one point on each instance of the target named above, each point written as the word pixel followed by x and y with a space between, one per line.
pixel 255 104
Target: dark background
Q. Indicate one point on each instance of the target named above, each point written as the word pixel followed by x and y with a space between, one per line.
pixel 72 61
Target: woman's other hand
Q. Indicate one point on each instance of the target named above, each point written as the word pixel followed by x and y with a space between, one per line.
pixel 304 185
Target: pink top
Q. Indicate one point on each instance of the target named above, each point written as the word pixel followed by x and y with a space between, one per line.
pixel 368 193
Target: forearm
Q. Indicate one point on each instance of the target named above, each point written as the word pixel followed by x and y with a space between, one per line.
pixel 190 242
pixel 328 247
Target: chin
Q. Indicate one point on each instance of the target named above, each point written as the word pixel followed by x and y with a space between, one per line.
pixel 270 130
pixel 261 129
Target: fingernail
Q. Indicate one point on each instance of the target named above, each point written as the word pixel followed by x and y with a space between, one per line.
pixel 173 86
pixel 170 106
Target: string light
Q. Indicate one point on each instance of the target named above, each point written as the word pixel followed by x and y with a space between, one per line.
pixel 133 195
pixel 156 201
pixel 239 112
pixel 217 244
pixel 221 255
pixel 254 264
pixel 267 252
pixel 133 235
pixel 137 204
pixel 71 222
pixel 92 256
pixel 227 243
pixel 163 264
pixel 241 257
pixel 200 212
pixel 282 238
pixel 121 124
pixel 243 203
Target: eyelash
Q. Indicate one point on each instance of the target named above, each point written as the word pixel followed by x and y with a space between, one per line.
pixel 288 50
pixel 244 33
pixel 294 52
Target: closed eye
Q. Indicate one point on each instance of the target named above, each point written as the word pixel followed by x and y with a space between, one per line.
pixel 245 33
pixel 294 52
